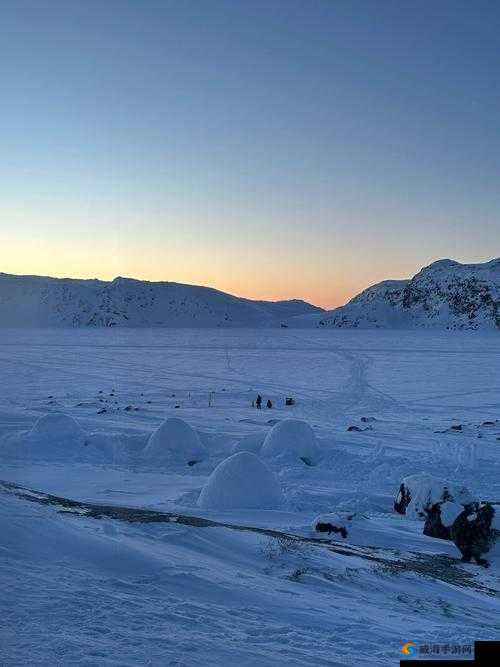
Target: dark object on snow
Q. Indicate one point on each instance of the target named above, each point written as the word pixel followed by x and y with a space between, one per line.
pixel 472 532
pixel 365 420
pixel 456 427
pixel 289 400
pixel 258 402
pixel 330 528
pixel 354 428
pixel 101 411
pixel 403 499
pixel 433 526
pixel 269 403
pixel 488 423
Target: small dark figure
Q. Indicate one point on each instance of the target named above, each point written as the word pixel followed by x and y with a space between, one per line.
pixel 258 402
pixel 330 528
pixel 402 499
pixel 269 403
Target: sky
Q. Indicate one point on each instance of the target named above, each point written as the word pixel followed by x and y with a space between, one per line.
pixel 272 149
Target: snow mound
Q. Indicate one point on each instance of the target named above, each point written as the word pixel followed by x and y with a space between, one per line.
pixel 175 442
pixel 250 443
pixel 423 491
pixel 449 512
pixel 56 435
pixel 242 481
pixel 290 441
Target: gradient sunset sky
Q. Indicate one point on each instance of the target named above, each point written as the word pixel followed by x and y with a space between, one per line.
pixel 271 149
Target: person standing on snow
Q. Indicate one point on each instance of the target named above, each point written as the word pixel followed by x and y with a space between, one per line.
pixel 269 403
pixel 258 402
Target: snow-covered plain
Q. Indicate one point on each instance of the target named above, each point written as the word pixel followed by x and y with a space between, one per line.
pixel 84 591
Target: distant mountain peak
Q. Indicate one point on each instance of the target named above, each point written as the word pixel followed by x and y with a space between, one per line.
pixel 443 295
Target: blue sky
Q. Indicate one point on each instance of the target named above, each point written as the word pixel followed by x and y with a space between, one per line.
pixel 272 149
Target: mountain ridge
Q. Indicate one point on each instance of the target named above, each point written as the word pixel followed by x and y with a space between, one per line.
pixel 443 295
pixel 89 302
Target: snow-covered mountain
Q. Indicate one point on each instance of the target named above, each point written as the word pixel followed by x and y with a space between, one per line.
pixel 445 295
pixel 54 302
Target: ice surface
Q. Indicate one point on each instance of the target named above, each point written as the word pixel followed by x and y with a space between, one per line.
pixel 250 443
pixel 82 591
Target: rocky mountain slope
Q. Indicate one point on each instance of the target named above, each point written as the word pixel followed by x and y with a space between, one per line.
pixel 444 295
pixel 53 302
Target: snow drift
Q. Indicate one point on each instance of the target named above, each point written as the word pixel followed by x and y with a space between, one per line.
pixel 174 443
pixel 242 481
pixel 291 441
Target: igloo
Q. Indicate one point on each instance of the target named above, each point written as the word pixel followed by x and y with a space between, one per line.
pixel 250 443
pixel 56 434
pixel 242 481
pixel 175 442
pixel 290 441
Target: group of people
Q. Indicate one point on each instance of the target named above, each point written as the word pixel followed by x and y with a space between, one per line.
pixel 258 403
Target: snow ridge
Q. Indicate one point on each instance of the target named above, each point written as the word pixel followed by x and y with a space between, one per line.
pixel 35 301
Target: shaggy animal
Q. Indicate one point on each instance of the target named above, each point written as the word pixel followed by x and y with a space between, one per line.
pixel 434 526
pixel 473 533
pixel 330 528
pixel 418 493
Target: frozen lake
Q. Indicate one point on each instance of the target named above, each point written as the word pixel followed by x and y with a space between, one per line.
pixel 155 594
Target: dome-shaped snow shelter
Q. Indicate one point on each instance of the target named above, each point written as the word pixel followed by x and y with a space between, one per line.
pixel 175 442
pixel 291 441
pixel 242 481
pixel 56 434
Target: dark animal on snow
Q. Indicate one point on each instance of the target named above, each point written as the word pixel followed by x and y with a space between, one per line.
pixel 473 534
pixel 330 528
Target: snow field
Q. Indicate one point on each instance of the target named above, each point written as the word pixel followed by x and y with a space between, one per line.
pixel 86 591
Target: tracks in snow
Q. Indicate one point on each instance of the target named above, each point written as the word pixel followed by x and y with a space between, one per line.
pixel 436 566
